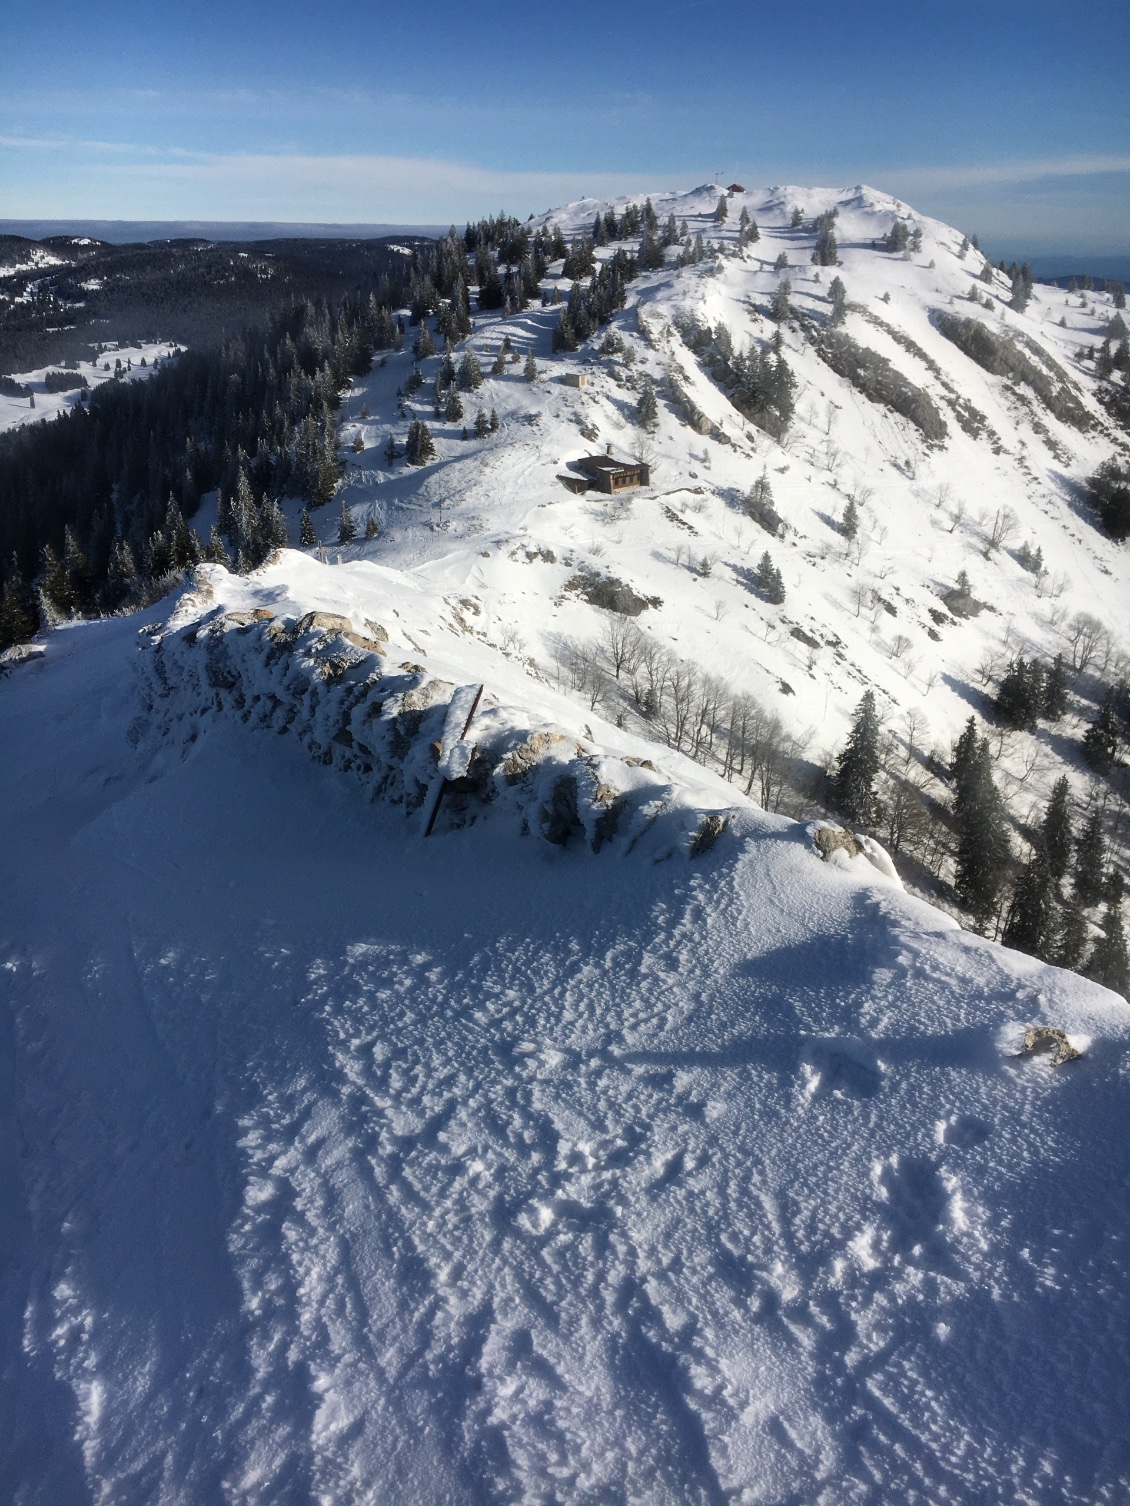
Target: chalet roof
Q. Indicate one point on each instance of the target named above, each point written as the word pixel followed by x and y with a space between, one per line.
pixel 607 463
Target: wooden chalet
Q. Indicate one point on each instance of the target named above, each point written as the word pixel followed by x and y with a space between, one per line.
pixel 607 474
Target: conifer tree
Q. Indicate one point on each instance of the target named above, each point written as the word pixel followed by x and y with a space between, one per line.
pixel 1055 690
pixel 215 552
pixel 530 369
pixel 1109 962
pixel 424 345
pixel 837 295
pixel 782 262
pixel 722 212
pixel 470 376
pixel 19 614
pixel 853 789
pixel 346 527
pixel 849 525
pixel 780 307
pixel 306 535
pixel 982 835
pixel 494 424
pixel 1072 935
pixel 420 447
pixel 80 575
pixel 121 576
pixel 1056 836
pixel 647 411
pixel 797 218
pixel 1033 919
pixel 1100 742
pixel 769 580
pixel 1090 860
pixel 371 529
pixel 54 585
pixel 498 366
pixel 482 425
pixel 453 409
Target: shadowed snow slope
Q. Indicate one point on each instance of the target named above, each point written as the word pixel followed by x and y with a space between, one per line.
pixel 338 1164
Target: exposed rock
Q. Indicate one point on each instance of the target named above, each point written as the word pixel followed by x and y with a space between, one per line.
pixel 519 761
pixel 710 828
pixel 880 382
pixel 330 622
pixel 830 839
pixel 1040 1038
pixel 610 593
pixel 370 645
pixel 245 619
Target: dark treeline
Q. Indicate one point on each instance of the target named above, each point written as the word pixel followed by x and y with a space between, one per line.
pixel 195 293
pixel 94 503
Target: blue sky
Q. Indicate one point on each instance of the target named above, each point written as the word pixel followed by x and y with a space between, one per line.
pixel 1005 117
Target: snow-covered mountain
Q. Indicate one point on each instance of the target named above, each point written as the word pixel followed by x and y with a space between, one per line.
pixel 620 1140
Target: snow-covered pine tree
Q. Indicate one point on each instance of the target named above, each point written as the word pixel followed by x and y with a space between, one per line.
pixel 857 768
pixel 780 308
pixel 530 369
pixel 346 527
pixel 307 538
pixel 420 447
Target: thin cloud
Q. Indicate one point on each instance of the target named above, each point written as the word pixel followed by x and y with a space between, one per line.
pixel 926 179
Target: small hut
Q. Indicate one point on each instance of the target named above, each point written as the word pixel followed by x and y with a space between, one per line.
pixel 607 474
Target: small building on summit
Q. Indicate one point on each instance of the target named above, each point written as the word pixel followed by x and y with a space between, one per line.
pixel 607 474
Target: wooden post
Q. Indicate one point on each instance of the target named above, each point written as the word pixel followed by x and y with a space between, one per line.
pixel 443 782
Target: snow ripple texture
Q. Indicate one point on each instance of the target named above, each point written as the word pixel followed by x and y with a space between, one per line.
pixel 338 1165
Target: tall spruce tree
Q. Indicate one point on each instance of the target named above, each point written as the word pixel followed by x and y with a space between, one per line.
pixel 1090 860
pixel 1109 962
pixel 1056 835
pixel 346 527
pixel 983 850
pixel 647 411
pixel 19 613
pixel 1033 916
pixel 853 789
pixel 1100 742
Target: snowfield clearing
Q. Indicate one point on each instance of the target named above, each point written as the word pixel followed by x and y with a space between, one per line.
pixel 346 1165
pixel 607 1145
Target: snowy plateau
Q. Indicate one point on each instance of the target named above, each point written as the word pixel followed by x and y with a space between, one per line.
pixel 605 1145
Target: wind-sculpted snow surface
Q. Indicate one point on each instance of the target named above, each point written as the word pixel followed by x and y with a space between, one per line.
pixel 338 1164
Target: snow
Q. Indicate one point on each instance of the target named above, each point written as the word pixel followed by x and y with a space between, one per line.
pixel 15 411
pixel 341 1164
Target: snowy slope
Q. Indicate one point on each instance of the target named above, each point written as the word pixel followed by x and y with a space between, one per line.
pixel 590 1149
pixel 343 1165
pixel 15 411
pixel 479 522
